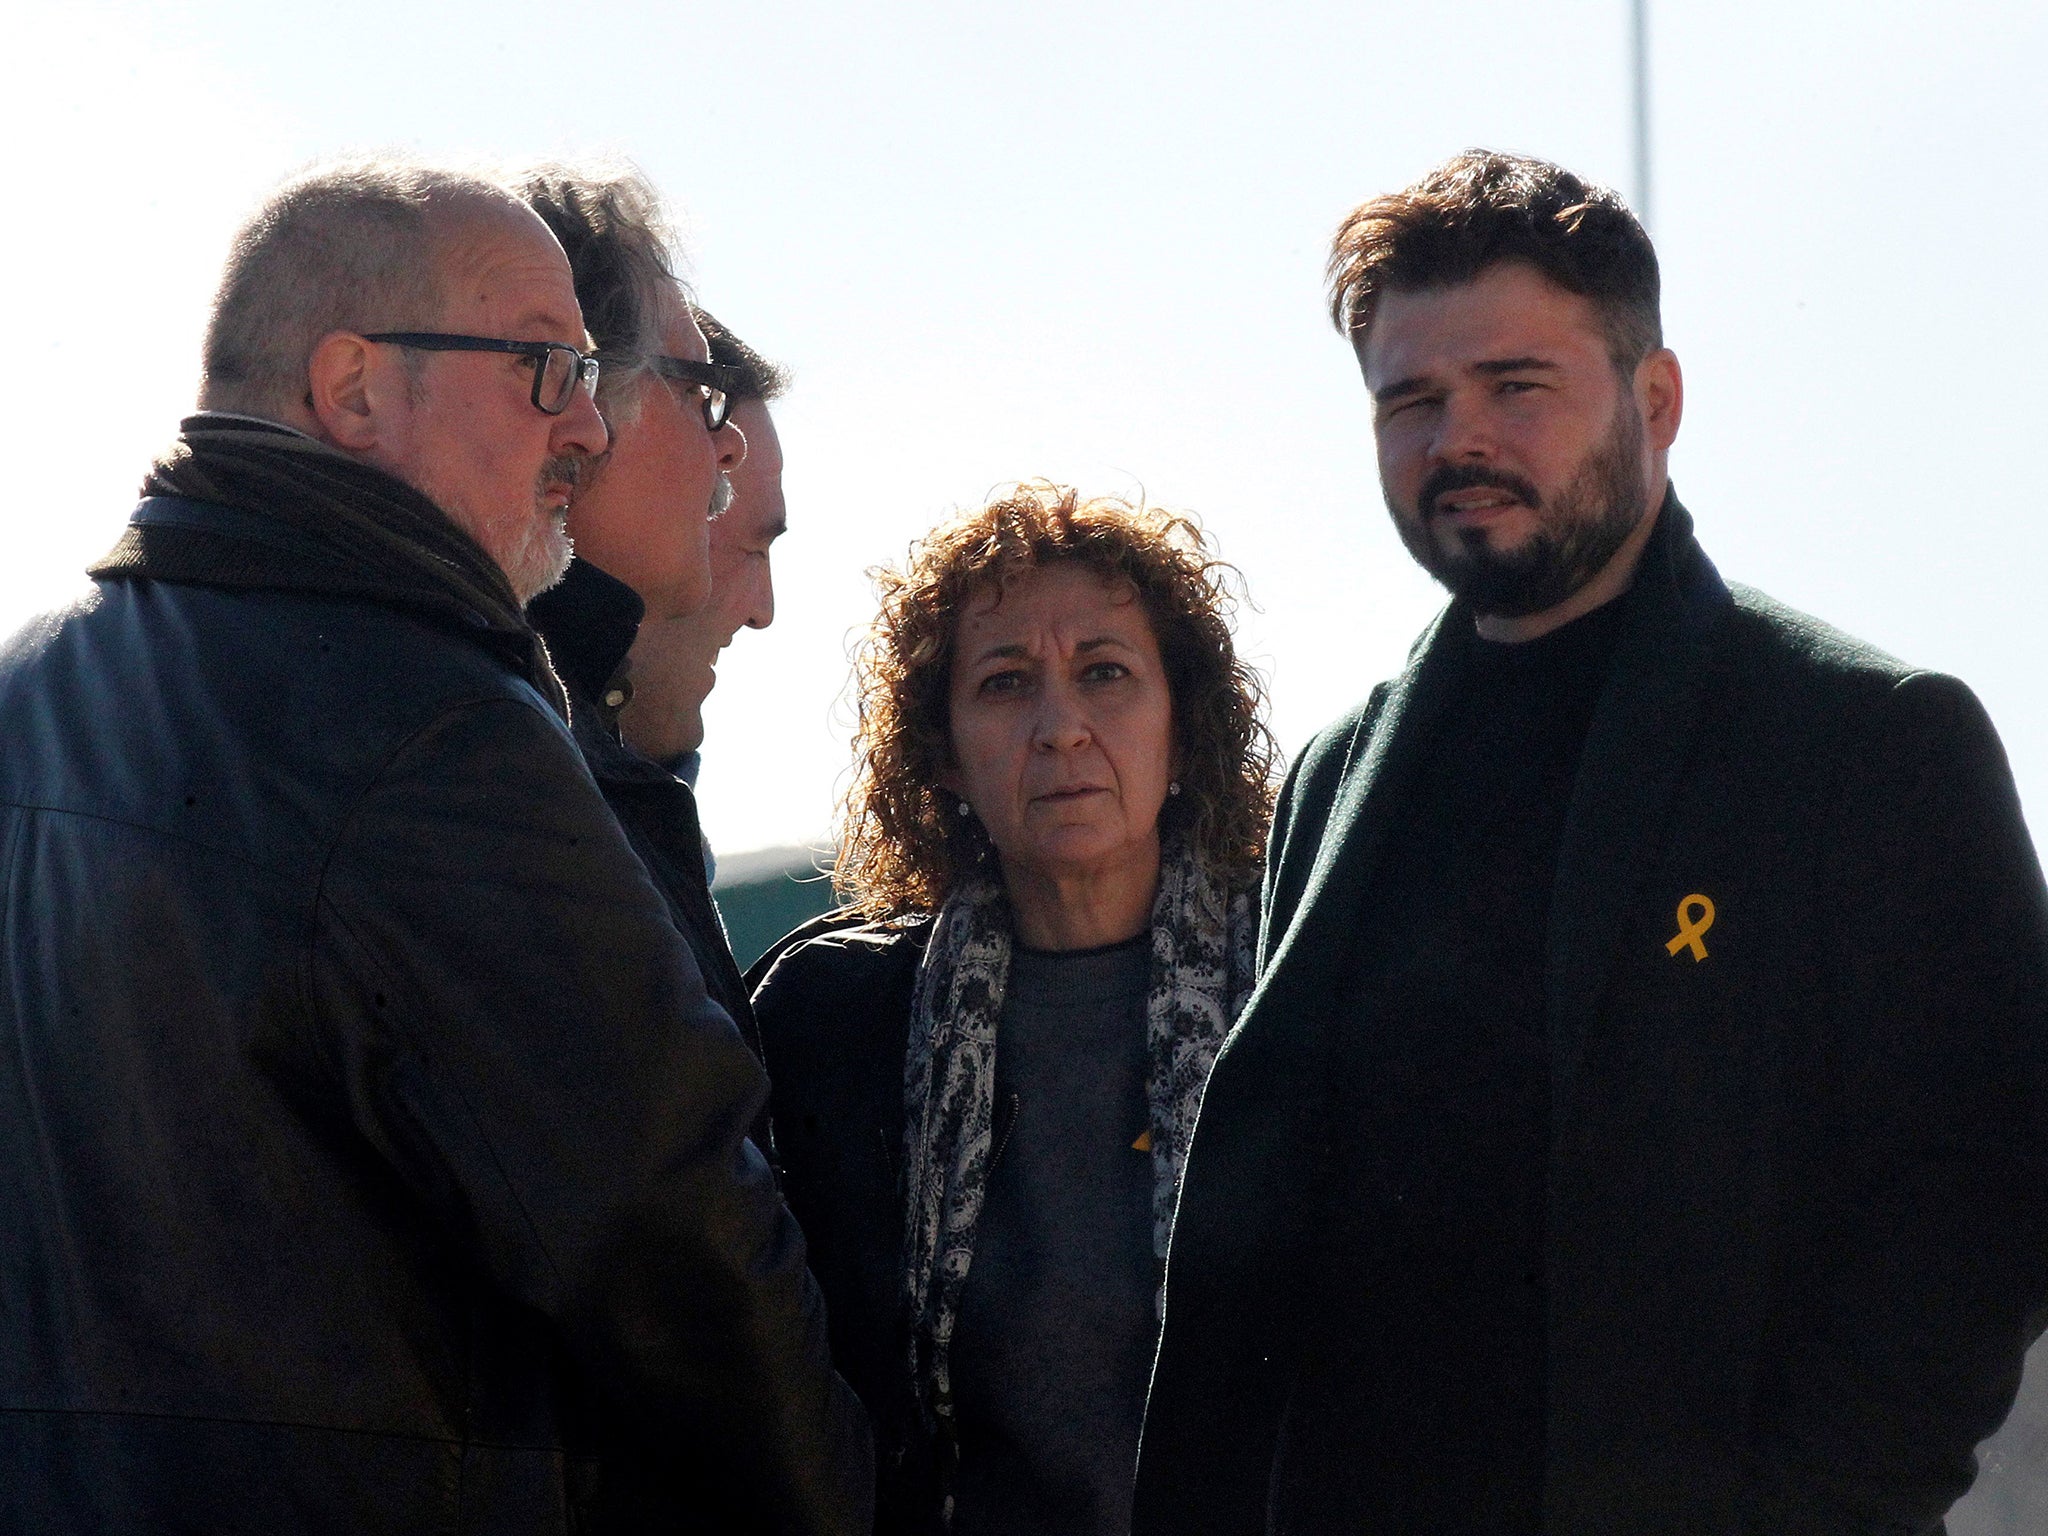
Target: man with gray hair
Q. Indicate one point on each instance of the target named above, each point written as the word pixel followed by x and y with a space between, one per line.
pixel 675 664
pixel 371 1157
pixel 641 526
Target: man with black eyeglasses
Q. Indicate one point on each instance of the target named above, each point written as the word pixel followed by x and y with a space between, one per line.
pixel 641 525
pixel 371 1156
pixel 676 664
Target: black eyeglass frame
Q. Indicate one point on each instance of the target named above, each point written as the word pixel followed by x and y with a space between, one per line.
pixel 716 380
pixel 584 372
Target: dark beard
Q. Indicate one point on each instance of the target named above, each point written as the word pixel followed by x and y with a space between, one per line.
pixel 1577 532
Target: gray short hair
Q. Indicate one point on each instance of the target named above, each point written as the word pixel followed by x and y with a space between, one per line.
pixel 622 251
pixel 342 246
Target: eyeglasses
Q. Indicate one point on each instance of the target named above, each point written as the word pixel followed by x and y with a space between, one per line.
pixel 557 367
pixel 715 381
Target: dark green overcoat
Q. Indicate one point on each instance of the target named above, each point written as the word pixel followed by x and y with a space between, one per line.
pixel 1797 1219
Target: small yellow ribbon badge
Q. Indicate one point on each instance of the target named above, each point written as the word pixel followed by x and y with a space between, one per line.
pixel 1695 917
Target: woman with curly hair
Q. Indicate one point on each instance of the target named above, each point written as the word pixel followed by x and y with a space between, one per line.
pixel 986 1068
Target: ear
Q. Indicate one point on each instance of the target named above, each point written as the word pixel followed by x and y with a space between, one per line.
pixel 353 388
pixel 1660 394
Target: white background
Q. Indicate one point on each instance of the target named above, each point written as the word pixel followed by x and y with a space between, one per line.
pixel 1085 240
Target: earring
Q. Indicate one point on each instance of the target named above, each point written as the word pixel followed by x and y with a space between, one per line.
pixel 1173 788
pixel 966 809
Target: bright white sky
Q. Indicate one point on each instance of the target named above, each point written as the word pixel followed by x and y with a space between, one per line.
pixel 1085 240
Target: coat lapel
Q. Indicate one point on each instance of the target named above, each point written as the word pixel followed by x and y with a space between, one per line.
pixel 1379 763
pixel 1635 753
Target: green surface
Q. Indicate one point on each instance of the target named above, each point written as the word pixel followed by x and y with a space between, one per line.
pixel 763 896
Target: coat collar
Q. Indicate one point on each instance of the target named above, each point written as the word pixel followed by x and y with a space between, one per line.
pixel 186 540
pixel 589 619
pixel 1636 747
pixel 1380 761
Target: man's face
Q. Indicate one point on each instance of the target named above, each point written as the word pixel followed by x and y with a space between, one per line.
pixel 472 440
pixel 643 515
pixel 1513 455
pixel 675 664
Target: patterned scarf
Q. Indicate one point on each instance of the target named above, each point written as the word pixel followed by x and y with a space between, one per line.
pixel 1202 956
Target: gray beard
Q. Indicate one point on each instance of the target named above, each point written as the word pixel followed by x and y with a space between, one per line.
pixel 1578 530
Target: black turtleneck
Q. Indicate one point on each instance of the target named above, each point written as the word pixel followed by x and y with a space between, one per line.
pixel 1432 1412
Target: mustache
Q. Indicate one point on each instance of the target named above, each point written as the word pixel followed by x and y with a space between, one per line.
pixel 563 469
pixel 1464 477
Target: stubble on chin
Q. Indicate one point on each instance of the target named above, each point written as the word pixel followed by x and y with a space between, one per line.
pixel 543 557
pixel 547 550
pixel 531 548
pixel 1578 530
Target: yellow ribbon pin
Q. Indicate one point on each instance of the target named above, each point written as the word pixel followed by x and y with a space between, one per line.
pixel 1695 917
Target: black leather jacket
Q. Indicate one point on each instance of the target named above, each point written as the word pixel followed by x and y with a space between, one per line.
pixel 371 1158
pixel 833 1000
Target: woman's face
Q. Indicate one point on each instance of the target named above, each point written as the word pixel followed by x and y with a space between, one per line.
pixel 1062 725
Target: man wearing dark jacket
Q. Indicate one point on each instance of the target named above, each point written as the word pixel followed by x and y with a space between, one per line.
pixel 373 1158
pixel 1641 1124
pixel 675 665
pixel 642 529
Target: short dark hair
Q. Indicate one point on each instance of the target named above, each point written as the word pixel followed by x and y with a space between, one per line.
pixel 621 253
pixel 755 378
pixel 1481 208
pixel 902 844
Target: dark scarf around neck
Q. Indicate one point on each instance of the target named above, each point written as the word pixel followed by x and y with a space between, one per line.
pixel 347 530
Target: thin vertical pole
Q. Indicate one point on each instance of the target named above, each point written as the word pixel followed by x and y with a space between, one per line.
pixel 1640 59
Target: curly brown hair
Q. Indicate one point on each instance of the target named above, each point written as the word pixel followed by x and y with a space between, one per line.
pixel 902 844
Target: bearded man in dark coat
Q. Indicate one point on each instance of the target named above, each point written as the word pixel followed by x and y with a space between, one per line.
pixel 1641 1123
pixel 371 1157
